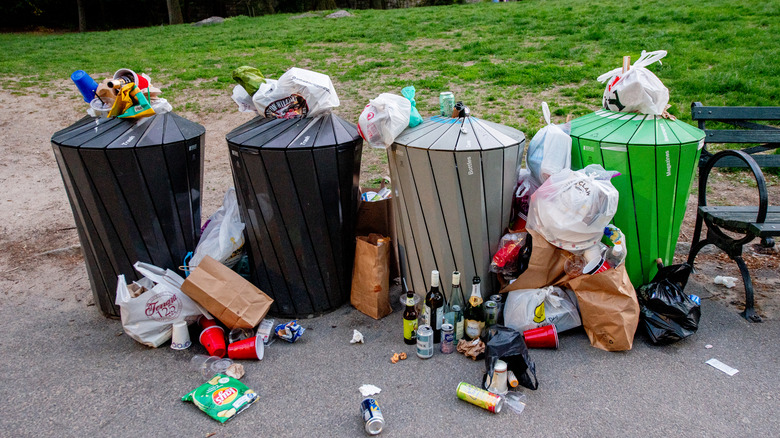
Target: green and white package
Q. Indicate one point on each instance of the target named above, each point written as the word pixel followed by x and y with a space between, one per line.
pixel 222 397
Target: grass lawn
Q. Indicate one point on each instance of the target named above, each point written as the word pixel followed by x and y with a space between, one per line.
pixel 500 59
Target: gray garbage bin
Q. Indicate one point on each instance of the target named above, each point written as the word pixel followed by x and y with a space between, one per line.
pixel 297 186
pixel 453 180
pixel 134 188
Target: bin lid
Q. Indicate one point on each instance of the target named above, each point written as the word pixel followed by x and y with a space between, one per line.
pixel 159 129
pixel 634 129
pixel 316 132
pixel 459 134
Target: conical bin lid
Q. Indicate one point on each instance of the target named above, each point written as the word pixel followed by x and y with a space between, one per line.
pixel 459 134
pixel 316 132
pixel 657 159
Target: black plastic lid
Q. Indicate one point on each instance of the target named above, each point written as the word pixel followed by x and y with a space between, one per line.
pixel 112 133
pixel 306 133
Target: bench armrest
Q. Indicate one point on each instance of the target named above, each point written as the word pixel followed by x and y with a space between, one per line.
pixel 757 173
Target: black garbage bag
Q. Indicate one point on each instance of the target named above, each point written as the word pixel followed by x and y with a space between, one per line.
pixel 508 345
pixel 667 313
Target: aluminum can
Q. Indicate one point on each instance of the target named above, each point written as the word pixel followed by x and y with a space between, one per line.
pixel 424 341
pixel 446 103
pixel 491 313
pixel 447 338
pixel 372 415
pixel 480 397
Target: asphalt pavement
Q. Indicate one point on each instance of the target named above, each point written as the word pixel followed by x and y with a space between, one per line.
pixel 71 372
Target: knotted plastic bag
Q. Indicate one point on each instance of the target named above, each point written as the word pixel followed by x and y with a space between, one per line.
pixel 667 313
pixel 571 208
pixel 636 90
pixel 297 93
pixel 383 119
pixel 414 118
pixel 532 308
pixel 549 151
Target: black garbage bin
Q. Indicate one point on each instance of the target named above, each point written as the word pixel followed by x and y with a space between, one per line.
pixel 134 187
pixel 297 185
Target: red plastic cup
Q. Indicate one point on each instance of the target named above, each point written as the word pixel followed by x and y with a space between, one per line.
pixel 249 348
pixel 213 338
pixel 206 323
pixel 541 337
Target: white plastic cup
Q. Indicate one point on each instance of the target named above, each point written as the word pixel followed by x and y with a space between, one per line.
pixel 180 339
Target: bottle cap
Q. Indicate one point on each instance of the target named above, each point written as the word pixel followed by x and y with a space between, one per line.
pixel 434 278
pixel 455 278
pixel 476 279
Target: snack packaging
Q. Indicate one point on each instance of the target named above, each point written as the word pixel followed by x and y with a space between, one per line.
pixel 290 332
pixel 222 397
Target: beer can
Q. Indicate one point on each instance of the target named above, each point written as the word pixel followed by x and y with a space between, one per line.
pixel 491 313
pixel 424 341
pixel 480 397
pixel 446 103
pixel 372 415
pixel 447 338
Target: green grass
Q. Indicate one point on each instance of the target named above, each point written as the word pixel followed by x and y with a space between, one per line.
pixel 500 59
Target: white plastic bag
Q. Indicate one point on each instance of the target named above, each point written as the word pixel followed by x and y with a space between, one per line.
pixel 223 237
pixel 571 208
pixel 530 308
pixel 243 100
pixel 148 317
pixel 297 93
pixel 638 89
pixel 549 151
pixel 383 119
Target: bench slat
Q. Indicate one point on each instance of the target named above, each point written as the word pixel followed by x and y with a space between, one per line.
pixel 762 161
pixel 765 229
pixel 736 113
pixel 741 219
pixel 741 136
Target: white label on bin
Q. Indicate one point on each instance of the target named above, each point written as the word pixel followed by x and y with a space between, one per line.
pixel 470 166
pixel 129 139
pixel 192 147
pixel 668 164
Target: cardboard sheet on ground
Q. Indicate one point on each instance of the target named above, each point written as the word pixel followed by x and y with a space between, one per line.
pixel 607 300
pixel 226 295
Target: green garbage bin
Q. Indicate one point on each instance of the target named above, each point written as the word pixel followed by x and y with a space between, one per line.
pixel 656 159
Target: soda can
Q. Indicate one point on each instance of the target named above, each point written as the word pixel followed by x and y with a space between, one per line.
pixel 372 415
pixel 491 313
pixel 446 103
pixel 424 342
pixel 480 397
pixel 447 338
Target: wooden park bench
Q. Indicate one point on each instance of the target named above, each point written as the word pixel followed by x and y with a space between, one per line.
pixel 761 221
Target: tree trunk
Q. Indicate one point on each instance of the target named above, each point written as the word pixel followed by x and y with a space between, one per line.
pixel 321 5
pixel 174 12
pixel 267 7
pixel 82 15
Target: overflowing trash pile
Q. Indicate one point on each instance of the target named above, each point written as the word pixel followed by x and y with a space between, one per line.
pixel 560 262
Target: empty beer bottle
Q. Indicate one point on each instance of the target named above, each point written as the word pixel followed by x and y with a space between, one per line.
pixel 410 320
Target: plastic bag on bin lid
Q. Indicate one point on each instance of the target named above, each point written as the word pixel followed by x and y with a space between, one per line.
pixel 638 89
pixel 243 100
pixel 531 308
pixel 297 93
pixel 383 119
pixel 508 345
pixel 571 208
pixel 223 237
pixel 667 313
pixel 148 318
pixel 414 118
pixel 549 151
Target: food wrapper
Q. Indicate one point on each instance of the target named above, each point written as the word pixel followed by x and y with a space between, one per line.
pixel 222 397
pixel 290 332
pixel 474 350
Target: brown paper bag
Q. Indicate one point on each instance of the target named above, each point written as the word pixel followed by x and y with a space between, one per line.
pixel 226 295
pixel 370 276
pixel 377 217
pixel 607 300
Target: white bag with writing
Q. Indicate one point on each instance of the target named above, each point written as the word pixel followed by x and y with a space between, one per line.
pixel 297 93
pixel 384 118
pixel 531 308
pixel 636 90
pixel 148 317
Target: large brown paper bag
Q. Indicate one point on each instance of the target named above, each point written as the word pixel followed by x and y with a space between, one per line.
pixel 371 277
pixel 377 217
pixel 607 300
pixel 226 295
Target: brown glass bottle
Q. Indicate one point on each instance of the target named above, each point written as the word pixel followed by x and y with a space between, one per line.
pixel 410 320
pixel 434 307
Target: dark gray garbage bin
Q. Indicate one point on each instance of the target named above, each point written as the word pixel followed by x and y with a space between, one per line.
pixel 453 181
pixel 134 187
pixel 297 185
